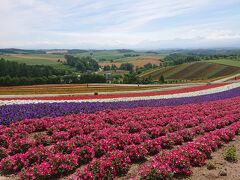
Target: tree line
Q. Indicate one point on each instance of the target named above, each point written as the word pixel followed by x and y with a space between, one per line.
pixel 221 56
pixel 13 73
pixel 66 79
pixel 14 69
pixel 123 66
pixel 178 58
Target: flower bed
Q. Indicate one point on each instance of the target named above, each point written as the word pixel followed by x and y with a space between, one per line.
pixel 138 94
pixel 13 113
pixel 108 142
pixel 72 89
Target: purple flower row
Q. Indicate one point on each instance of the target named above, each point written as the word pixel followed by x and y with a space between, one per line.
pixel 13 113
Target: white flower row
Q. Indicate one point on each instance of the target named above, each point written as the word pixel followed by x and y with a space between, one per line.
pixel 179 95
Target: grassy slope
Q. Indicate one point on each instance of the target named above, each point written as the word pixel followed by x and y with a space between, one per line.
pixel 33 59
pixel 227 62
pixel 193 71
pixel 30 61
pixel 39 59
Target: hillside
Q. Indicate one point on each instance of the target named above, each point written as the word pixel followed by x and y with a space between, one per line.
pixel 193 71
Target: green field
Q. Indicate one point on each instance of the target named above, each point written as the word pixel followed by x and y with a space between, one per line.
pixel 228 62
pixel 33 59
pixel 51 59
pixel 39 59
pixel 193 71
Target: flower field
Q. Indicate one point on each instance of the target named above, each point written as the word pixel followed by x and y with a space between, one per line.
pixel 116 95
pixel 165 136
pixel 72 88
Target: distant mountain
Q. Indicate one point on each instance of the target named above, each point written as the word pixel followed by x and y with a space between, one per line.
pixel 57 51
pixel 21 51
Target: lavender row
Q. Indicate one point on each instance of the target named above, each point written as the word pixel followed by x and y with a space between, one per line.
pixel 13 113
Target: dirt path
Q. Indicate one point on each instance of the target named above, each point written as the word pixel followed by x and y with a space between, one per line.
pixel 229 171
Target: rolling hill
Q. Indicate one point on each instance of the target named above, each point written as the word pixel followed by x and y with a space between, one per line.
pixel 193 71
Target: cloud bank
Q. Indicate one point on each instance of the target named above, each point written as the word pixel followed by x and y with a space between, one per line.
pixel 105 24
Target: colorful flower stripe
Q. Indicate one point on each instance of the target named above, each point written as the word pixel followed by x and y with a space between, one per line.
pixel 53 147
pixel 180 95
pixel 137 94
pixel 13 113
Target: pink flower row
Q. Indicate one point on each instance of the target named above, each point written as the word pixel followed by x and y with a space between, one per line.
pixel 193 154
pixel 59 164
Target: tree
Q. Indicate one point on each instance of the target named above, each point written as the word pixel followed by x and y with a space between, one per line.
pixel 162 79
pixel 106 68
pixel 147 80
pixel 82 64
pixel 92 78
pixel 127 67
pixel 114 67
pixel 148 66
pixel 131 78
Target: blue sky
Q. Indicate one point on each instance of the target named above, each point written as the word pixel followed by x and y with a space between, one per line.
pixel 109 24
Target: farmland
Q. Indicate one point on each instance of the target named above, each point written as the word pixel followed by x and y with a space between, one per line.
pixel 136 61
pixel 145 135
pixel 103 57
pixel 193 71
